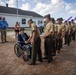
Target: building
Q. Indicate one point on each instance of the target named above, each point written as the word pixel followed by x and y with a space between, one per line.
pixel 22 18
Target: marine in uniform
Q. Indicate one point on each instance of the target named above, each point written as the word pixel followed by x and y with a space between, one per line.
pixel 73 30
pixel 35 42
pixel 67 34
pixel 70 30
pixel 48 39
pixel 60 33
pixel 54 36
pixel 66 25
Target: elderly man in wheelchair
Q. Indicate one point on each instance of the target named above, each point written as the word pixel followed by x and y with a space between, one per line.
pixel 22 46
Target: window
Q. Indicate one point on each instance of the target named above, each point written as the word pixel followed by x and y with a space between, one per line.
pixel 35 22
pixel 23 21
pixel 40 22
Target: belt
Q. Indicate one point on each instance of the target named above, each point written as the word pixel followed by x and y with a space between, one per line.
pixel 49 36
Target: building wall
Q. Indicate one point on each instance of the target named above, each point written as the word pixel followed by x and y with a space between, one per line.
pixel 12 19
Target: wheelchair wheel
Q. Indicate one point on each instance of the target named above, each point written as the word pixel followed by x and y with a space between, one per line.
pixel 25 58
pixel 18 51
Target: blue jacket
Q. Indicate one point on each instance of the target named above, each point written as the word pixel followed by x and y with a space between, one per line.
pixel 4 24
pixel 0 23
pixel 21 39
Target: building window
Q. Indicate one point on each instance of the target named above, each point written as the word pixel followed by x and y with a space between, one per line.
pixel 35 22
pixel 40 22
pixel 23 21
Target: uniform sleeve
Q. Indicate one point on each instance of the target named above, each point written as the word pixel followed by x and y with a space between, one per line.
pixel 33 27
pixel 47 28
pixel 51 28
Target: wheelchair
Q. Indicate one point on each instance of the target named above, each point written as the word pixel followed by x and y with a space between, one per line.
pixel 20 51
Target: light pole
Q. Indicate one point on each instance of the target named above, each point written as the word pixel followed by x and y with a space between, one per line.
pixel 17 10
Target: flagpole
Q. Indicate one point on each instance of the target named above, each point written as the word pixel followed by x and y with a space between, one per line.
pixel 17 10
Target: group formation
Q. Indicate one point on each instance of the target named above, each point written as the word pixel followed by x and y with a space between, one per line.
pixel 55 36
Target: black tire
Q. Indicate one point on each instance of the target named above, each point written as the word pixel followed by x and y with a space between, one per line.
pixel 18 50
pixel 25 58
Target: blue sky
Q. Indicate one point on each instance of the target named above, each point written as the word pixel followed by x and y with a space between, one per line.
pixel 57 8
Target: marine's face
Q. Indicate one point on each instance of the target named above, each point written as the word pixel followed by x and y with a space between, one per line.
pixel 29 23
pixel 59 21
pixel 69 23
pixel 47 19
pixel 65 23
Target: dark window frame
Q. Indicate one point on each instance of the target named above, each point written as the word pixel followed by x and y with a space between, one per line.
pixel 23 21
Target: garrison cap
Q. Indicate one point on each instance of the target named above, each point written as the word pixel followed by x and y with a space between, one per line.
pixel 48 16
pixel 72 20
pixel 53 19
pixel 60 19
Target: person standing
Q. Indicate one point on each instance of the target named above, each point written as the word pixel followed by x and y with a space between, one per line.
pixel 16 29
pixel 35 42
pixel 60 33
pixel 48 39
pixel 73 29
pixel 68 34
pixel 40 28
pixel 70 30
pixel 0 24
pixel 66 29
pixel 4 26
pixel 54 36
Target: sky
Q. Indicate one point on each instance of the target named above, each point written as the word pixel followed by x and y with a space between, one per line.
pixel 56 8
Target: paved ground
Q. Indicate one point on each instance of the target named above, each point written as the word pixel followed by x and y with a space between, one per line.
pixel 63 64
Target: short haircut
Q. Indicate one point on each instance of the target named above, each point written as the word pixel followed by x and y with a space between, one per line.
pixel 30 21
pixel 47 16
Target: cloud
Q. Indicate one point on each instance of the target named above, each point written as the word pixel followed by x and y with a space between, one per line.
pixel 72 12
pixel 12 3
pixel 55 1
pixel 52 7
pixel 23 0
pixel 36 0
pixel 68 7
pixel 25 6
pixel 2 3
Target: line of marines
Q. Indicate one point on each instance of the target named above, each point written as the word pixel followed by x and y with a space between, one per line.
pixel 55 36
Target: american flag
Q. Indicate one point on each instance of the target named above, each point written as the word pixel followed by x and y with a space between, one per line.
pixel 69 18
pixel 74 19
